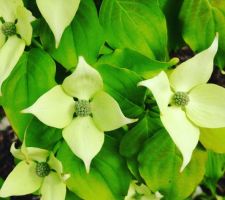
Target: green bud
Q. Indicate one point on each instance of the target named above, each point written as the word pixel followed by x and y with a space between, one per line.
pixel 42 169
pixel 180 99
pixel 82 108
pixel 8 29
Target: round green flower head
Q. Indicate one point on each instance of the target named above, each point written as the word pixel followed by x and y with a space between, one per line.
pixel 9 29
pixel 180 99
pixel 82 108
pixel 42 169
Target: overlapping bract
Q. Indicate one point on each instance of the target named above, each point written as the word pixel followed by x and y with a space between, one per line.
pixel 83 134
pixel 12 47
pixel 206 101
pixel 25 180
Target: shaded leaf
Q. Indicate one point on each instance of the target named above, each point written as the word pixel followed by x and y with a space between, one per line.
pixel 33 75
pixel 136 24
pixel 200 20
pixel 132 60
pixel 108 177
pixel 160 163
pixel 122 85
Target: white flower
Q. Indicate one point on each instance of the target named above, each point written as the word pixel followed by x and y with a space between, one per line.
pixel 15 20
pixel 187 102
pixel 39 171
pixel 141 192
pixel 95 110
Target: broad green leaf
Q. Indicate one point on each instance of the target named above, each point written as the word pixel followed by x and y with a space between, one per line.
pixel 136 24
pixel 200 20
pixel 213 139
pixel 171 10
pixel 160 164
pixel 142 65
pixel 71 196
pixel 108 177
pixel 215 168
pixel 83 37
pixel 66 53
pixel 33 75
pixel 134 139
pixel 41 135
pixel 121 84
pixel 133 166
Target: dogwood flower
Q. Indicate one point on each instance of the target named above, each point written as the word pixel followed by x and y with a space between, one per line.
pixel 15 34
pixel 58 14
pixel 39 171
pixel 141 192
pixel 82 109
pixel 187 102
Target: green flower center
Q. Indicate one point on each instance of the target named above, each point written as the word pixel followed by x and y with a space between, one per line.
pixel 180 99
pixel 82 108
pixel 42 169
pixel 9 29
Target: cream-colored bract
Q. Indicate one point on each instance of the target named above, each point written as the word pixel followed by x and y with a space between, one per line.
pixel 83 134
pixel 12 48
pixel 206 101
pixel 58 14
pixel 141 191
pixel 50 187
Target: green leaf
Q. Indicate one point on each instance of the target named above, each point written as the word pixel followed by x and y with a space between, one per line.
pixel 71 196
pixel 171 10
pixel 142 65
pixel 133 166
pixel 200 20
pixel 42 136
pixel 108 177
pixel 66 53
pixel 134 139
pixel 122 85
pixel 136 24
pixel 160 163
pixel 213 139
pixel 215 168
pixel 83 37
pixel 33 75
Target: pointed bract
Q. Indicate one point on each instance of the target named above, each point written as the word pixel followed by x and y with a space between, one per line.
pixel 17 153
pixel 207 106
pixel 29 153
pixel 10 54
pixel 195 71
pixel 84 82
pixel 84 139
pixel 58 14
pixel 184 134
pixel 2 37
pixel 54 108
pixel 107 114
pixel 23 25
pixel 21 181
pixel 8 9
pixel 53 188
pixel 55 164
pixel 160 88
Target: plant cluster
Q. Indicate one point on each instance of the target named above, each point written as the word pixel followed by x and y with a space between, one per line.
pixel 101 108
